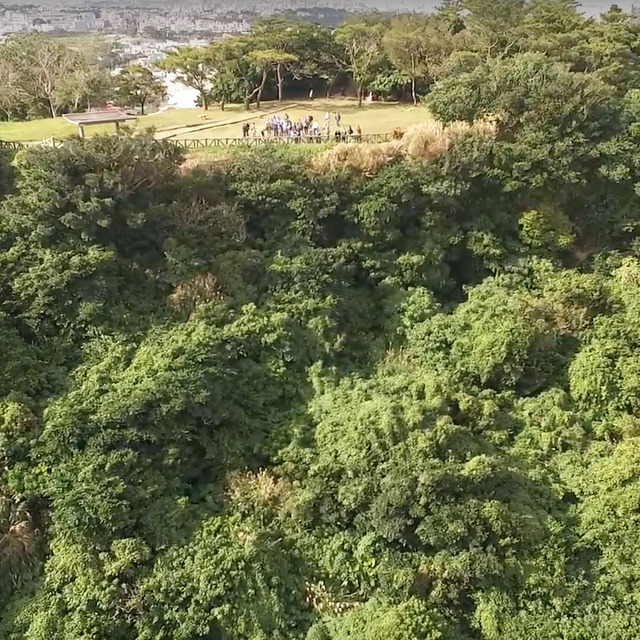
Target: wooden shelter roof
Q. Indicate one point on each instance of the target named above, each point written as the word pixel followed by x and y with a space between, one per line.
pixel 97 117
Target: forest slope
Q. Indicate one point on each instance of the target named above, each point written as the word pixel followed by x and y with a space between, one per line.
pixel 389 393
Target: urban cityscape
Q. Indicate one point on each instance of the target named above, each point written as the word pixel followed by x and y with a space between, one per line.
pixel 214 19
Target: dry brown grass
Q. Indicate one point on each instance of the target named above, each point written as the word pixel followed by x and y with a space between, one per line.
pixel 200 289
pixel 366 159
pixel 420 142
pixel 326 602
pixel 433 139
pixel 261 488
pixel 18 535
pixel 203 160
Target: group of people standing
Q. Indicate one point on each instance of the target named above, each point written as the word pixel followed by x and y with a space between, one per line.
pixel 285 127
pixel 342 133
pixel 309 128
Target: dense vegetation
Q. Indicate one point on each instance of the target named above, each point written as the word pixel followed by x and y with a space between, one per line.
pixel 382 393
pixel 41 76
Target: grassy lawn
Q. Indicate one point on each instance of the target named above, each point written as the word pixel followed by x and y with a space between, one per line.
pixel 374 118
pixel 36 130
pixel 196 123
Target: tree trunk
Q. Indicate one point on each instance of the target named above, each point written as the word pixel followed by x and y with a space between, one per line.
pixel 359 95
pixel 205 100
pixel 335 77
pixel 280 80
pixel 261 88
pixel 257 92
pixel 53 108
pixel 142 107
pixel 222 103
pixel 414 97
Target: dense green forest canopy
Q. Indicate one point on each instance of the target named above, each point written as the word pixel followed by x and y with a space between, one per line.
pixel 383 392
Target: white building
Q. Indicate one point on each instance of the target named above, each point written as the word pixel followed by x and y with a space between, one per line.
pixel 178 95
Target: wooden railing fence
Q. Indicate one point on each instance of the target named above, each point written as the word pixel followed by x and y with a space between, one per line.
pixel 203 143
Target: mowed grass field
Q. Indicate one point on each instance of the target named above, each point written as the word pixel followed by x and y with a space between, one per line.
pixel 37 130
pixel 375 118
pixel 199 124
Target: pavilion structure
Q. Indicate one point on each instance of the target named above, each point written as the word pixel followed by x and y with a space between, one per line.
pixel 82 120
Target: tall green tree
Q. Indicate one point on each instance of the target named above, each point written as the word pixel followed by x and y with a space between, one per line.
pixel 305 50
pixel 193 66
pixel 490 26
pixel 280 38
pixel 236 59
pixel 553 27
pixel 44 65
pixel 87 85
pixel 416 46
pixel 138 86
pixel 226 85
pixel 14 94
pixel 268 60
pixel 610 49
pixel 361 51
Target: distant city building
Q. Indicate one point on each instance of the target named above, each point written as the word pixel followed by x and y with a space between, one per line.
pixel 212 17
pixel 152 21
